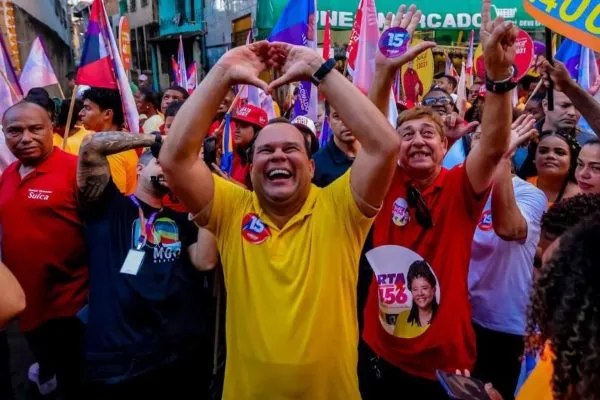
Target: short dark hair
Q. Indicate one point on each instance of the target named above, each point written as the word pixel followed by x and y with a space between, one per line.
pixel 151 97
pixel 568 212
pixel 106 99
pixel 71 75
pixel 173 109
pixel 592 141
pixel 43 101
pixel 63 113
pixel 38 92
pixel 278 120
pixel 452 80
pixel 178 89
pixel 438 89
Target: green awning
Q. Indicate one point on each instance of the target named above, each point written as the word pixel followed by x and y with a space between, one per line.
pixel 437 14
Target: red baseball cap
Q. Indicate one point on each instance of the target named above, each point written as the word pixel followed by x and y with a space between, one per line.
pixel 252 115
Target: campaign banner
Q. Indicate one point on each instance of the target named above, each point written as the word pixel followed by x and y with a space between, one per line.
pixel 578 20
pixel 125 43
pixel 451 15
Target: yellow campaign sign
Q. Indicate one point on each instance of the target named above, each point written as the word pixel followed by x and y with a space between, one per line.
pixel 417 75
pixel 578 20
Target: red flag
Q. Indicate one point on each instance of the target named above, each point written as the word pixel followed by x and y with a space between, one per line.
pixel 352 47
pixel 176 70
pixel 327 38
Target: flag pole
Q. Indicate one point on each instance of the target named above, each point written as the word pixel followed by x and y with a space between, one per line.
pixel 62 94
pixel 233 104
pixel 12 90
pixel 549 57
pixel 69 117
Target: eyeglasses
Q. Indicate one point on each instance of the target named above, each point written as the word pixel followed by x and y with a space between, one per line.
pixel 416 200
pixel 429 101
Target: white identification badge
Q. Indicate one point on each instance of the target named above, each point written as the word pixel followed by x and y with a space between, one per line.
pixel 133 262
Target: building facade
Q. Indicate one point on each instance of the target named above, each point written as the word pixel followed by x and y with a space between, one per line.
pixel 21 21
pixel 143 21
pixel 228 23
pixel 177 18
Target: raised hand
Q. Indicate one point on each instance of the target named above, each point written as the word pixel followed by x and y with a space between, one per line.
pixel 243 64
pixel 296 63
pixel 455 126
pixel 557 73
pixel 409 21
pixel 498 40
pixel 522 130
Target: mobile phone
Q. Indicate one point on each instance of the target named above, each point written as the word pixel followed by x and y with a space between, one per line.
pixel 462 387
pixel 210 151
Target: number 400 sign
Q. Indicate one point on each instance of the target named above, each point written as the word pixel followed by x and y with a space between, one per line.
pixel 576 19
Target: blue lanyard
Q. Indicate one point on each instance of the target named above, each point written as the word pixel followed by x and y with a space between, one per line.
pixel 145 228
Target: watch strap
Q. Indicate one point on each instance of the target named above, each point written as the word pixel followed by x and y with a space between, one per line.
pixel 503 86
pixel 322 72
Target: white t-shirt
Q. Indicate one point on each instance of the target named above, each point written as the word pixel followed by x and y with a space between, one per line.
pixel 500 273
pixel 455 155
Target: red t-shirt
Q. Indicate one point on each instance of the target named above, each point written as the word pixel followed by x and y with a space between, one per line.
pixel 239 171
pixel 42 238
pixel 435 331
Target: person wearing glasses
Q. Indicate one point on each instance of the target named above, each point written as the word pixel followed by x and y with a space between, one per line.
pixel 445 207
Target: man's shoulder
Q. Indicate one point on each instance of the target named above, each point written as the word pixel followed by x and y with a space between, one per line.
pixel 525 192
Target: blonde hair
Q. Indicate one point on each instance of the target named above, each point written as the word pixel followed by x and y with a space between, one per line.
pixel 422 112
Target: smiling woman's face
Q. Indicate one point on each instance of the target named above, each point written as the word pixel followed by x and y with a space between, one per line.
pixel 553 158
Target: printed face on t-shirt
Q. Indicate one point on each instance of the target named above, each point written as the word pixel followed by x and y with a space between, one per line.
pixel 409 293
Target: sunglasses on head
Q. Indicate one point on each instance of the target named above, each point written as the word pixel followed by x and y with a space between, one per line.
pixel 429 101
pixel 416 200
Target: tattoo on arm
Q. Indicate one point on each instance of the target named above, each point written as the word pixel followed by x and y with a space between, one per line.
pixel 93 172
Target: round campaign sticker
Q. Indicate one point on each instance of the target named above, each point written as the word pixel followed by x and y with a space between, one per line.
pixel 485 223
pixel 524 54
pixel 394 42
pixel 254 230
pixel 400 214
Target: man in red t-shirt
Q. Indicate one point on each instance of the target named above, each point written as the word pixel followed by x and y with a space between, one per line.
pixel 418 317
pixel 43 245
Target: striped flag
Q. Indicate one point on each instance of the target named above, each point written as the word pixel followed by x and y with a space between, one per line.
pixel 101 64
pixel 192 74
pixel 461 91
pixel 364 68
pixel 38 71
pixel 10 90
pixel 183 78
pixel 469 68
pixel 352 47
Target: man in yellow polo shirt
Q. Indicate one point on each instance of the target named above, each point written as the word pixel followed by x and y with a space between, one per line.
pixel 102 112
pixel 289 250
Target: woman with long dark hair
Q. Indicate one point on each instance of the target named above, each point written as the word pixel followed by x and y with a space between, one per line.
pixel 587 172
pixel 551 165
pixel 422 285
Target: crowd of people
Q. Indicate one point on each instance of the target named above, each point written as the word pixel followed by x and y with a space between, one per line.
pixel 158 265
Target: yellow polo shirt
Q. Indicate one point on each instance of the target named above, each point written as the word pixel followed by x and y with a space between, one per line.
pixel 123 166
pixel 291 322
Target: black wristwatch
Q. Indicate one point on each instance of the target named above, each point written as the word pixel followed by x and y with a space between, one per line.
pixel 322 72
pixel 503 86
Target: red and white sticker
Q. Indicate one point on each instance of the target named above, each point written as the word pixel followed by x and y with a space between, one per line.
pixel 524 55
pixel 254 230
pixel 485 223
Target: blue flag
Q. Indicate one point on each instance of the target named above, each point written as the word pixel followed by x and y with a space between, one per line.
pixel 298 25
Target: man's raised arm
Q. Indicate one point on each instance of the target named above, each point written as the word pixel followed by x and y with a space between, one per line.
pixel 188 176
pixel 93 172
pixel 374 165
pixel 386 68
pixel 498 40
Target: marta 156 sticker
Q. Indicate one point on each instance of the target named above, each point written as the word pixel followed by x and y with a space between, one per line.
pixel 394 42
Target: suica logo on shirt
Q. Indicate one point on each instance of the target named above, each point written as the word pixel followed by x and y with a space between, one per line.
pixel 39 194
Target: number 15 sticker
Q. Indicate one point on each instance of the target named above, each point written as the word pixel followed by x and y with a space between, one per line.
pixel 394 42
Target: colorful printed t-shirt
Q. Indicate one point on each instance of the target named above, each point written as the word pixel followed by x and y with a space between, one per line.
pixel 423 272
pixel 291 325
